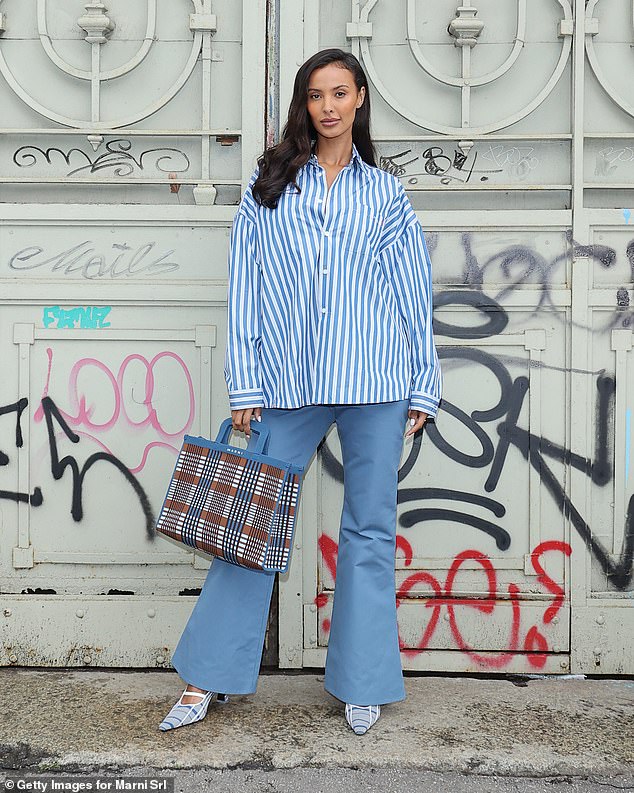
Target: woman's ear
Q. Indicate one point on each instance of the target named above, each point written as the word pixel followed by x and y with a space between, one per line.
pixel 361 96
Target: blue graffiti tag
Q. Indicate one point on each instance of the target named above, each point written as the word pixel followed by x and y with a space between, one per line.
pixel 79 317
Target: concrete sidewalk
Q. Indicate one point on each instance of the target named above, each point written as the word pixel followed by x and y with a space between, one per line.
pixel 84 719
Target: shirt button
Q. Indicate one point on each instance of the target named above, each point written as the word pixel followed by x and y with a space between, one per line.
pixel 323 311
pixel 326 234
pixel 325 270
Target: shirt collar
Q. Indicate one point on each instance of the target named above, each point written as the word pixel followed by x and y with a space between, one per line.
pixel 355 159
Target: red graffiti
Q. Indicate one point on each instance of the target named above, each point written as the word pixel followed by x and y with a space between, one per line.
pixel 534 645
pixel 545 580
pixel 408 584
pixel 329 548
pixel 403 545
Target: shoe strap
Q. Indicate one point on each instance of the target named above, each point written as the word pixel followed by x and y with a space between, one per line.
pixel 187 693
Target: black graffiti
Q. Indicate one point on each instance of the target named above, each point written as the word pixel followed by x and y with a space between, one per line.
pixel 390 165
pixel 38 591
pixel 419 515
pixel 515 266
pixel 436 161
pixel 453 167
pixel 510 433
pixel 456 166
pixel 117 156
pixel 334 468
pixel 535 450
pixel 35 498
pixel 54 422
pixel 494 314
pixel 18 408
pixel 502 538
pixel 52 415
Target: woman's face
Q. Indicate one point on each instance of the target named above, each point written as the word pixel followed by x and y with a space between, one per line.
pixel 333 100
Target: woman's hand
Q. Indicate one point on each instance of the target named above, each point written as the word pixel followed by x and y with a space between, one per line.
pixel 241 419
pixel 419 419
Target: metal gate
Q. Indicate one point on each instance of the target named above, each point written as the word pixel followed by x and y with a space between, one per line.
pixel 127 133
pixel 125 140
pixel 510 125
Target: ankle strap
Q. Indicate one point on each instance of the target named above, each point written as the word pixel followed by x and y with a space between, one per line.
pixel 201 694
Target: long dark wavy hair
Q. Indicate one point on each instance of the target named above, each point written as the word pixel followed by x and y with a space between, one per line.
pixel 279 164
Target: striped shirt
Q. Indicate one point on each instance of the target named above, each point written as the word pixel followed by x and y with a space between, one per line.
pixel 330 295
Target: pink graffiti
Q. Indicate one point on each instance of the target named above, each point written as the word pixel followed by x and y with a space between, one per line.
pixel 81 413
pixel 534 645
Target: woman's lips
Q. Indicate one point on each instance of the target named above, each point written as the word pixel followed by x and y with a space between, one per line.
pixel 330 122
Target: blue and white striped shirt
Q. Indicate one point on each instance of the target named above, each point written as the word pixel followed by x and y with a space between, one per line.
pixel 330 296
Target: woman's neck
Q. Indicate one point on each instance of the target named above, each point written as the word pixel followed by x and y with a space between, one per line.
pixel 334 151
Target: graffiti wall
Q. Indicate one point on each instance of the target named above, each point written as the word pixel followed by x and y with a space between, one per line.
pixel 127 136
pixel 484 505
pixel 93 435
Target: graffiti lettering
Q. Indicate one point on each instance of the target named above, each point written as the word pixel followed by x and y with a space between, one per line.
pixel 490 451
pixel 117 156
pixel 518 160
pixel 35 498
pixel 84 260
pixel 137 411
pixel 458 166
pixel 533 645
pixel 53 416
pixel 80 317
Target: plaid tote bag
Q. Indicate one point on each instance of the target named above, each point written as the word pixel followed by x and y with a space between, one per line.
pixel 237 504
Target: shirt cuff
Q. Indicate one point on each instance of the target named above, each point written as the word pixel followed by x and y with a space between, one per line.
pixel 424 402
pixel 247 398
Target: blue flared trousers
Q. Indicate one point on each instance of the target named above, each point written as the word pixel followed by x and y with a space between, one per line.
pixel 221 646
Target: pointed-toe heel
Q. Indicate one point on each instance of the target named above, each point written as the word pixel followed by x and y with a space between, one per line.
pixel 362 717
pixel 182 713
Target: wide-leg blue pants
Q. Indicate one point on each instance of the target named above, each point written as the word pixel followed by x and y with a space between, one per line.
pixel 221 646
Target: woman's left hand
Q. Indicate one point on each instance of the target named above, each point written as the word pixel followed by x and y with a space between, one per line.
pixel 419 419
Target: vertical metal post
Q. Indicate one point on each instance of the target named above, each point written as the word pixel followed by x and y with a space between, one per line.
pixel 580 336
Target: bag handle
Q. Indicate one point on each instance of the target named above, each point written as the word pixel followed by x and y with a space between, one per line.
pixel 258 429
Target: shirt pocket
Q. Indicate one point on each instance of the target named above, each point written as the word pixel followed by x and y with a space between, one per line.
pixel 359 229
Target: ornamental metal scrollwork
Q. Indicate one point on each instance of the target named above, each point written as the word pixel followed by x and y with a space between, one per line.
pixel 98 27
pixel 592 30
pixel 465 29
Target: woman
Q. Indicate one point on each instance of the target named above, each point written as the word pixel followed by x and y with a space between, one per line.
pixel 329 320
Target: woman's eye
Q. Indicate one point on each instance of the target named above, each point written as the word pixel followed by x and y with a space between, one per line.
pixel 318 96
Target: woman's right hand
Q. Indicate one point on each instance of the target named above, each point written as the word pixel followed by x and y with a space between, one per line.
pixel 241 419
